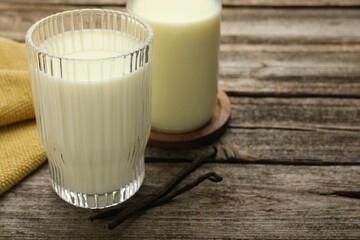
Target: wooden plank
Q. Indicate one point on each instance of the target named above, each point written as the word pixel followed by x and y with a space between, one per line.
pixel 301 61
pixel 312 114
pixel 276 146
pixel 234 3
pixel 290 70
pixel 290 26
pixel 288 146
pixel 253 201
pixel 263 88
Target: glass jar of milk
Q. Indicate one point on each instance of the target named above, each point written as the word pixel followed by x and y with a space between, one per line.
pixel 186 50
pixel 91 81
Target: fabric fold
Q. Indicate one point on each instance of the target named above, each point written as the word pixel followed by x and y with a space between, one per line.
pixel 21 150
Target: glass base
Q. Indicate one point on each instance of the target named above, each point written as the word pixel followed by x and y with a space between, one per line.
pixel 99 201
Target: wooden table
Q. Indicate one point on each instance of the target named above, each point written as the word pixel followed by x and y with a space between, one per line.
pixel 290 159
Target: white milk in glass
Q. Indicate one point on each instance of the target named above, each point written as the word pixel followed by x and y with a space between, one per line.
pixel 186 46
pixel 94 126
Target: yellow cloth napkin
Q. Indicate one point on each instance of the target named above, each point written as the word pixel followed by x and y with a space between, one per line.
pixel 20 148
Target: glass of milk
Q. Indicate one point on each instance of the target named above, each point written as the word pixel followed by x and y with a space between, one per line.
pixel 91 84
pixel 186 49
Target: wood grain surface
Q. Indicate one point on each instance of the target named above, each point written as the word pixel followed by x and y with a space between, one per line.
pixel 290 158
pixel 253 201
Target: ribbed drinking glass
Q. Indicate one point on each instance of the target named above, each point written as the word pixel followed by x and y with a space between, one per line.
pixel 91 84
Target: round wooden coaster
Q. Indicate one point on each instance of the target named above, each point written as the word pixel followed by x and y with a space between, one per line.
pixel 205 135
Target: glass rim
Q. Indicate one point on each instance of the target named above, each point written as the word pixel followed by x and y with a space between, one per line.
pixel 144 44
